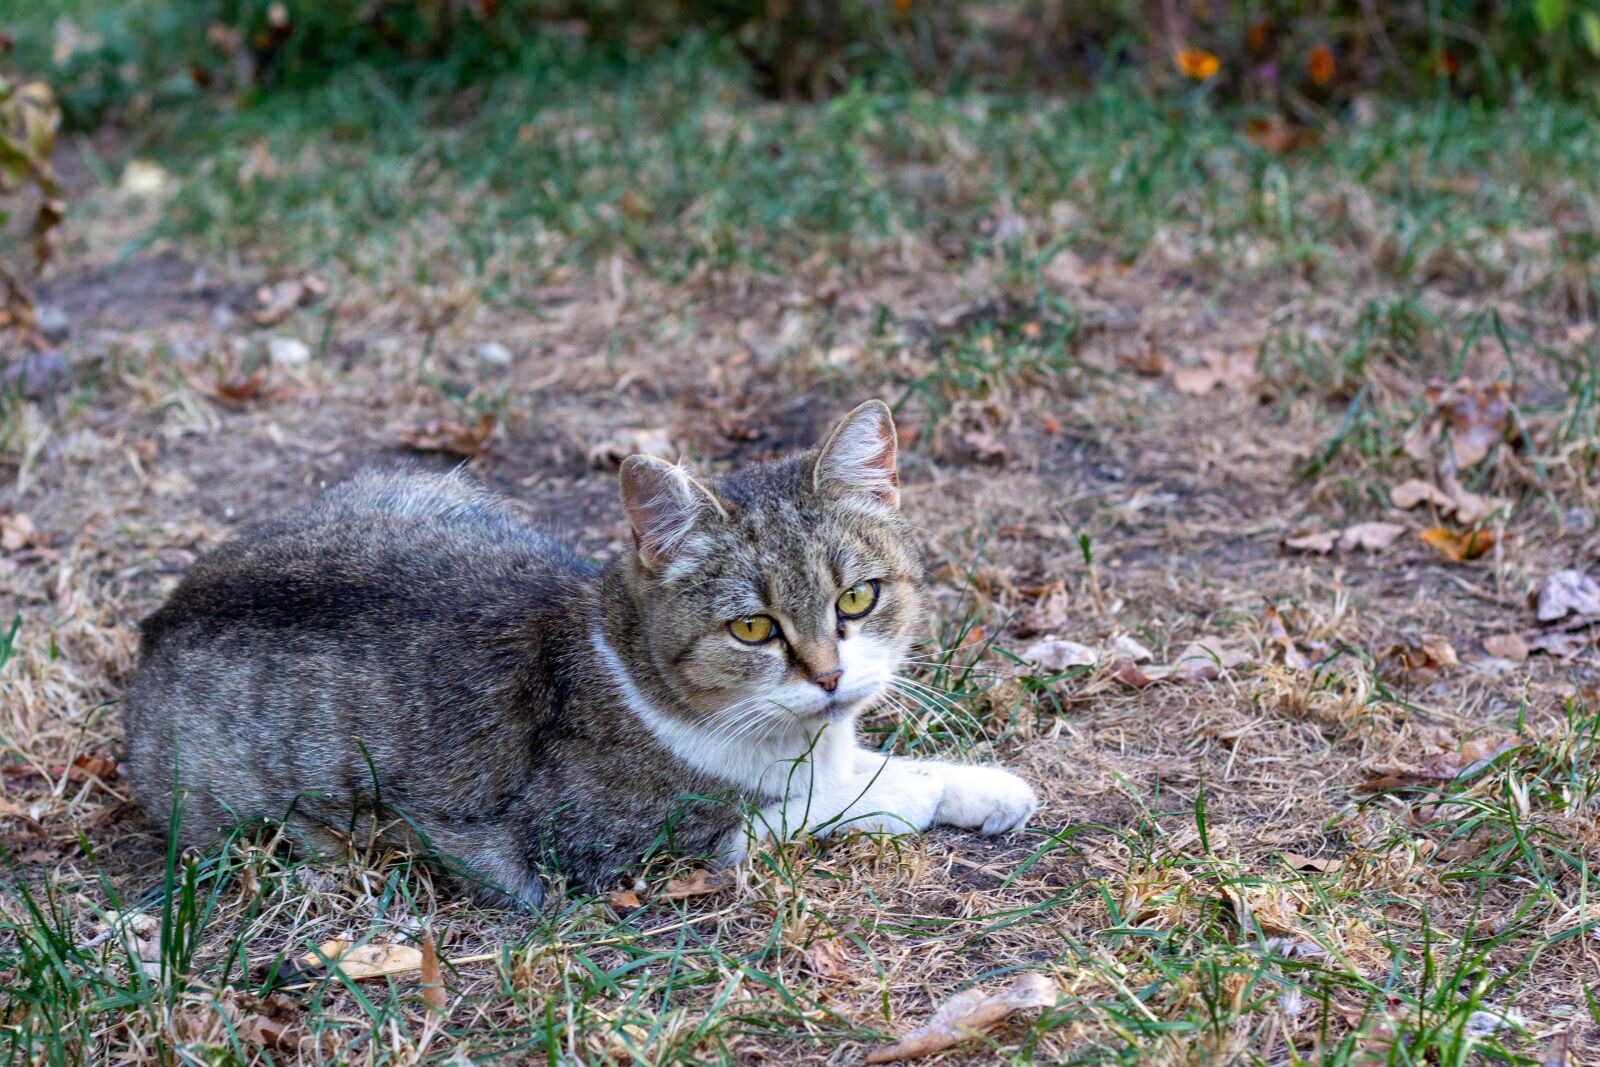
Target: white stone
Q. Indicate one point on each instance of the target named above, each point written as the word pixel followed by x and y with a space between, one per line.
pixel 288 352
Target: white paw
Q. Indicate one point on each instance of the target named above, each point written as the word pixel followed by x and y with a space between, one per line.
pixel 986 799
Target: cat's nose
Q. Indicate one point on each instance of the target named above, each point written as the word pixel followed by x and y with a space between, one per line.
pixel 829 680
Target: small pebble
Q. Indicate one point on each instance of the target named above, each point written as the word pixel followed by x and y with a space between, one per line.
pixel 288 352
pixel 493 353
pixel 52 322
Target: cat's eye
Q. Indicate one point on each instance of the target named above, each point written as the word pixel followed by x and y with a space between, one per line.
pixel 858 600
pixel 753 630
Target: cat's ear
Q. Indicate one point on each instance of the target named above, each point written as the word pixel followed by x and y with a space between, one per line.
pixel 859 456
pixel 664 504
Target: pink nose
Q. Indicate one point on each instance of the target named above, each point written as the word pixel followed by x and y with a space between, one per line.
pixel 830 680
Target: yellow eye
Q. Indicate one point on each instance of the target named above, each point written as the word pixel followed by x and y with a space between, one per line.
pixel 755 630
pixel 858 600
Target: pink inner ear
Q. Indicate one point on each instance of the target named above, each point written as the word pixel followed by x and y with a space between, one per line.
pixel 861 457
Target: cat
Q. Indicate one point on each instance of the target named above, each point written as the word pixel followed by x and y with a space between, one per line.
pixel 409 661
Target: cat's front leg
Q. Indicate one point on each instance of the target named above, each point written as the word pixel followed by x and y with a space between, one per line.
pixel 990 800
pixel 879 795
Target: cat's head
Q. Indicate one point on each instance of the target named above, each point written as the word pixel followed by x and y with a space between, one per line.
pixel 785 592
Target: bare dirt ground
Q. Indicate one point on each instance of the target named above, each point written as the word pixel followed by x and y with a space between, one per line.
pixel 170 422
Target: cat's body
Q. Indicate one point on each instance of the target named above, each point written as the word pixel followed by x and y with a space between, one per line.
pixel 409 657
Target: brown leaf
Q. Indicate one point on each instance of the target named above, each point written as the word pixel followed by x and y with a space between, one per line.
pixel 1363 536
pixel 18 532
pixel 1147 362
pixel 1278 634
pixel 433 992
pixel 1047 613
pixel 1565 641
pixel 1126 647
pixel 828 959
pixel 1444 766
pixel 699 883
pixel 1459 547
pixel 985 446
pixel 1558 1053
pixel 1055 654
pixel 1124 671
pixel 452 438
pixel 1506 646
pixel 362 963
pixel 86 767
pixel 1477 418
pixel 1566 592
pixel 280 300
pixel 1427 653
pixel 625 899
pixel 970 1014
pixel 1296 862
pixel 1226 369
pixel 1198 662
pixel 1408 494
pixel 1278 135
pixel 608 454
pixel 235 388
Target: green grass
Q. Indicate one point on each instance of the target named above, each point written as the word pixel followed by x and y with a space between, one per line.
pixel 569 158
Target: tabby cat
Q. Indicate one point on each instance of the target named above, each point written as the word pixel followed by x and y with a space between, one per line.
pixel 409 661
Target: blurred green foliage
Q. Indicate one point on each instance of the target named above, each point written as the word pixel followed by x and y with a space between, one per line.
pixel 111 59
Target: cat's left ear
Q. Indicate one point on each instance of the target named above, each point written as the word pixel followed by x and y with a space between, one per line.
pixel 860 455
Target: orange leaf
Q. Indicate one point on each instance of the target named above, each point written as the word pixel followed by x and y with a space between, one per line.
pixel 698 884
pixel 1459 547
pixel 1197 64
pixel 433 993
pixel 1319 65
pixel 625 898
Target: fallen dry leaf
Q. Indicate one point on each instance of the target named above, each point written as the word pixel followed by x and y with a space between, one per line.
pixel 1225 369
pixel 1199 662
pixel 433 992
pixel 1147 363
pixel 828 959
pixel 1125 647
pixel 1459 547
pixel 1273 908
pixel 280 300
pixel 452 438
pixel 1365 536
pixel 699 883
pixel 970 1014
pixel 1408 494
pixel 1566 592
pixel 1565 640
pixel 1444 766
pixel 362 963
pixel 1427 653
pixel 1048 611
pixel 235 388
pixel 985 446
pixel 625 898
pixel 18 532
pixel 1506 646
pixel 1558 1053
pixel 609 453
pixel 1057 654
pixel 1278 634
pixel 1466 418
pixel 1126 672
pixel 1296 862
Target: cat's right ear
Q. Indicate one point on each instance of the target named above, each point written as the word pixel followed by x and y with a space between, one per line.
pixel 664 504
